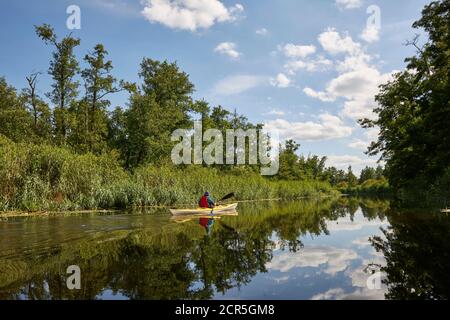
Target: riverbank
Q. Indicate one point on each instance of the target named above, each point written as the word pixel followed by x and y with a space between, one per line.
pixel 44 178
pixel 19 214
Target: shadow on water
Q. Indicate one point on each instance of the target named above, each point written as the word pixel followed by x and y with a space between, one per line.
pixel 144 255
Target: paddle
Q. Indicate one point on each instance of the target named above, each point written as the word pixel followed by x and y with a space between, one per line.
pixel 228 196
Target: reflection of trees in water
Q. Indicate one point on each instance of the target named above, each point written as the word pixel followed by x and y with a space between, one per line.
pixel 417 252
pixel 180 262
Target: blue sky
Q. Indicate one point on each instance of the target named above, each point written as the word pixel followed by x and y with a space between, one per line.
pixel 307 68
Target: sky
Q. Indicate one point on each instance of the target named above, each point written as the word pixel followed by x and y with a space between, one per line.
pixel 307 68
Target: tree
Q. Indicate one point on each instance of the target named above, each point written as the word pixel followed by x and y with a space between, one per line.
pixel 379 173
pixel 414 108
pixel 63 68
pixel 331 174
pixel 367 173
pixel 162 105
pixel 289 161
pixel 351 178
pixel 98 83
pixel 39 110
pixel 16 122
pixel 117 129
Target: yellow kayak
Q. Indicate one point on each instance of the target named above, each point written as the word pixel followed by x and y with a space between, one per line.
pixel 205 211
pixel 189 217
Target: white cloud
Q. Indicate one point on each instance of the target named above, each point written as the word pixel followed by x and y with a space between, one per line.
pixel 299 58
pixel 228 48
pixel 237 84
pixel 357 87
pixel 349 4
pixel 329 127
pixel 371 34
pixel 275 112
pixel 361 242
pixel 189 14
pixel 335 43
pixel 312 65
pixel 329 294
pixel 372 133
pixel 358 80
pixel 279 280
pixel 262 31
pixel 346 224
pixel 358 294
pixel 281 81
pixel 358 144
pixel 362 144
pixel 323 96
pixel 333 259
pixel 297 51
pixel 343 161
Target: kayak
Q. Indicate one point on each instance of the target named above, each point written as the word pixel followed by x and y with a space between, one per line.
pixel 189 217
pixel 202 211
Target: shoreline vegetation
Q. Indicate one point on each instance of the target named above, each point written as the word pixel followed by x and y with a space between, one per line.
pixel 36 178
pixel 73 152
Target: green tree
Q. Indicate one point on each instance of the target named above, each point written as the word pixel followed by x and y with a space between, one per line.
pixel 379 173
pixel 162 105
pixel 117 137
pixel 98 83
pixel 288 159
pixel 367 173
pixel 63 69
pixel 352 180
pixel 39 110
pixel 16 122
pixel 414 108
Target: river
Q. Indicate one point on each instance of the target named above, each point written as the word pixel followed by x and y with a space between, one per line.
pixel 346 248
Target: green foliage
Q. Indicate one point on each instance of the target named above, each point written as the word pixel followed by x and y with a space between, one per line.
pixel 122 158
pixel 16 122
pixel 39 110
pixel 416 249
pixel 352 181
pixel 63 68
pixel 92 126
pixel 44 177
pixel 161 106
pixel 368 187
pixel 295 167
pixel 414 108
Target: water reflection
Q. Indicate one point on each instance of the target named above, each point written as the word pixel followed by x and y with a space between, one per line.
pixel 323 249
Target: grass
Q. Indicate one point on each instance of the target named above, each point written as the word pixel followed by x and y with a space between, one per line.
pixel 48 178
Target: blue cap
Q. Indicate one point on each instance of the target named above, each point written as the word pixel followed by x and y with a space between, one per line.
pixel 206 193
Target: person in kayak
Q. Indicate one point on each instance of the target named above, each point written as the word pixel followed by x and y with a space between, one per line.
pixel 206 201
pixel 207 223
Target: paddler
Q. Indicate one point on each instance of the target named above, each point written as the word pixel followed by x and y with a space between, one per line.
pixel 206 201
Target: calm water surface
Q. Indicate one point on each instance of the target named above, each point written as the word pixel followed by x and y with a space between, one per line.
pixel 327 249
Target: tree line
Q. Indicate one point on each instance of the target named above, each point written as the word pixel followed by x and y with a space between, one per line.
pixel 75 113
pixel 414 112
